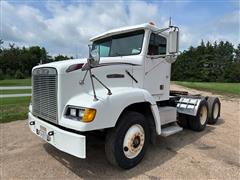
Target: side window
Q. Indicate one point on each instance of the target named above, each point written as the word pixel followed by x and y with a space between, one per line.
pixel 104 49
pixel 157 45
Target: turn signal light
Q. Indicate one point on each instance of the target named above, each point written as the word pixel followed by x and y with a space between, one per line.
pixel 89 115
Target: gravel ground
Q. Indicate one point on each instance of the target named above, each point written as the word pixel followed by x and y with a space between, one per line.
pixel 213 153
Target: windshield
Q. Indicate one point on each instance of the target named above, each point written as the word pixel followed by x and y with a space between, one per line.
pixel 120 45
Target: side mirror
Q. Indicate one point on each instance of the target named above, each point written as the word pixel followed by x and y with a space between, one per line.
pixel 93 59
pixel 173 46
pixel 94 56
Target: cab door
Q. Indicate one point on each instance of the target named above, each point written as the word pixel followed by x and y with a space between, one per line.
pixel 157 70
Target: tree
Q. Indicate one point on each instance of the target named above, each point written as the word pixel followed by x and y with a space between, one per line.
pixel 18 62
pixel 61 57
pixel 1 45
pixel 237 54
pixel 219 62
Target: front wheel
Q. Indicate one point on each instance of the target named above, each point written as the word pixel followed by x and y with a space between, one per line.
pixel 127 143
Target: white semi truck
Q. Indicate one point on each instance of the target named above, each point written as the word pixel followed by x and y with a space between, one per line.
pixel 122 90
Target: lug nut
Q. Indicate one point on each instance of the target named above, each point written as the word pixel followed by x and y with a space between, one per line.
pixel 32 123
pixel 50 133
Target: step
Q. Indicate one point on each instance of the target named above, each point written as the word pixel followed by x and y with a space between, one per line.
pixel 170 130
pixel 168 114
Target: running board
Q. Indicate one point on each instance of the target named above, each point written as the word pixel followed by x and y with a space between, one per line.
pixel 170 130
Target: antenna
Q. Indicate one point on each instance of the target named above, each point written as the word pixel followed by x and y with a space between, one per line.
pixel 170 21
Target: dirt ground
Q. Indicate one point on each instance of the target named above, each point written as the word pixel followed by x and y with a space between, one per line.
pixel 213 153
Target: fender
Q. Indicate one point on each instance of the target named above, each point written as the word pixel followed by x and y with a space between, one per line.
pixel 110 107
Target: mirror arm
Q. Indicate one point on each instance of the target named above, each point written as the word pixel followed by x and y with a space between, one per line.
pixel 94 92
pixel 83 80
pixel 165 29
pixel 156 56
pixel 88 67
pixel 109 91
pixel 161 30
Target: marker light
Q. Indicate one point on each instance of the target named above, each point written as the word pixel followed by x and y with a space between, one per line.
pixel 74 67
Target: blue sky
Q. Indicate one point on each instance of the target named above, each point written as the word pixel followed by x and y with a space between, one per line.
pixel 66 26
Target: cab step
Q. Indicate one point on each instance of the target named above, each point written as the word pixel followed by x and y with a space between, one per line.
pixel 170 130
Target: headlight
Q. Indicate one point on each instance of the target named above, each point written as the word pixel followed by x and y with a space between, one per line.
pixel 73 112
pixel 80 114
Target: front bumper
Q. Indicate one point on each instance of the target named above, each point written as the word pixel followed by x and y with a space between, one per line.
pixel 71 143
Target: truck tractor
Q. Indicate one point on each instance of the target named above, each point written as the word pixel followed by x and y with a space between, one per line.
pixel 121 90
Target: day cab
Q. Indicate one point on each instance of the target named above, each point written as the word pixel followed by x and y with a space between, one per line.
pixel 122 90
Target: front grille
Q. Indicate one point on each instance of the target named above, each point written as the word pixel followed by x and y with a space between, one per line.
pixel 44 94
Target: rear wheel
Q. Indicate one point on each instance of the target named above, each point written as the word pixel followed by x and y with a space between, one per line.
pixel 198 122
pixel 214 109
pixel 127 143
pixel 183 120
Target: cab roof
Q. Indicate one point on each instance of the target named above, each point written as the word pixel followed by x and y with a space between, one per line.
pixel 125 29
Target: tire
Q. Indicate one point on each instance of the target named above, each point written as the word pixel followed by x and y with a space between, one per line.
pixel 125 144
pixel 214 109
pixel 183 120
pixel 198 122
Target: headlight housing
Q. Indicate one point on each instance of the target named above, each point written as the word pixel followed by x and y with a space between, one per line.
pixel 80 114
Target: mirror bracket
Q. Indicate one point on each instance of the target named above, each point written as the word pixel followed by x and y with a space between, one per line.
pixel 93 61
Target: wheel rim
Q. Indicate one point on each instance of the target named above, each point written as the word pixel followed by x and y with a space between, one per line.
pixel 133 141
pixel 203 115
pixel 216 111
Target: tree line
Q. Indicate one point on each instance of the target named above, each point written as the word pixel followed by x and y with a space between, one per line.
pixel 217 62
pixel 16 62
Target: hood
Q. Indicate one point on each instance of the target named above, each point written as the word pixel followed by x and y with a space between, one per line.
pixel 62 66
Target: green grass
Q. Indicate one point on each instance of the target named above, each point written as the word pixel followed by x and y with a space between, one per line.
pixel 222 88
pixel 15 82
pixel 16 91
pixel 16 108
pixel 12 109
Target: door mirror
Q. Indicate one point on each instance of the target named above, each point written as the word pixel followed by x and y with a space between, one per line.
pixel 94 56
pixel 173 46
